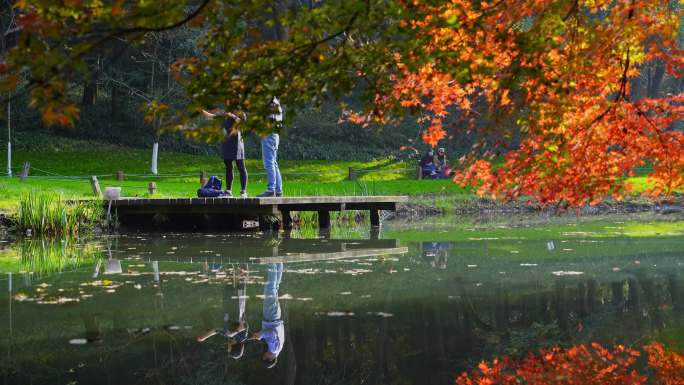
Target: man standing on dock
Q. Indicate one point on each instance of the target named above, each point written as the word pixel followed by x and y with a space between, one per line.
pixel 269 152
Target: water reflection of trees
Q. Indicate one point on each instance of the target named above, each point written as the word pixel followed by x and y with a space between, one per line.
pixel 429 341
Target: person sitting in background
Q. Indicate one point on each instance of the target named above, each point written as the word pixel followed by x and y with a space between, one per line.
pixel 441 164
pixel 427 165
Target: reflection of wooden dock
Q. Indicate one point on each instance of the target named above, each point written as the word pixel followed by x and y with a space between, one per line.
pixel 313 257
pixel 208 213
pixel 263 250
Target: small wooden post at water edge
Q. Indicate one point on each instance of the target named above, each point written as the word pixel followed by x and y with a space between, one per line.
pixel 95 186
pixel 352 174
pixel 152 188
pixel 119 175
pixel 203 178
pixel 25 171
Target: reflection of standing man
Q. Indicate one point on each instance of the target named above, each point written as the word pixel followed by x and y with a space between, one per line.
pixel 272 327
pixel 269 152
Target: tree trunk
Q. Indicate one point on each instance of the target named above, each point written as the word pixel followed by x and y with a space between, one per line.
pixel 114 102
pixel 89 94
pixel 155 153
pixel 155 146
pixel 657 80
pixel 9 139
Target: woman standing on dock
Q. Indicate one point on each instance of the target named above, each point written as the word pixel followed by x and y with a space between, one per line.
pixel 232 149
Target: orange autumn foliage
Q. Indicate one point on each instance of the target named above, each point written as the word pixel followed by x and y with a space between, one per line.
pixel 553 77
pixel 580 365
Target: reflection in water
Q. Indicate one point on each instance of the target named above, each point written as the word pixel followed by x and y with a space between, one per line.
pixel 44 256
pixel 272 327
pixel 350 310
pixel 436 253
pixel 234 332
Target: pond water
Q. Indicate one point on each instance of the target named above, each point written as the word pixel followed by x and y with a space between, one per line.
pixel 416 304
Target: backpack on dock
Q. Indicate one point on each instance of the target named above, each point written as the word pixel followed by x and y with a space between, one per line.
pixel 211 189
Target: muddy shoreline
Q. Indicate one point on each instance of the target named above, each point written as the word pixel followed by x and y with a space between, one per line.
pixel 427 206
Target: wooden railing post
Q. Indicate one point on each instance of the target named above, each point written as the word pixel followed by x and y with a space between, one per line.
pixel 420 173
pixel 203 178
pixel 119 175
pixel 152 188
pixel 352 174
pixel 25 171
pixel 95 186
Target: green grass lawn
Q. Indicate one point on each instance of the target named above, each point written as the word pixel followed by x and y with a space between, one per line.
pixel 67 172
pixel 67 166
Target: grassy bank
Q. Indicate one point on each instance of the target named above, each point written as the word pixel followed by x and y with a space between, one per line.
pixel 66 169
pixel 68 173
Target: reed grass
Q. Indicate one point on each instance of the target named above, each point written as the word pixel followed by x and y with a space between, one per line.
pixel 48 213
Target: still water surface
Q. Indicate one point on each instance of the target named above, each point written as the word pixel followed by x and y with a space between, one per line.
pixel 419 305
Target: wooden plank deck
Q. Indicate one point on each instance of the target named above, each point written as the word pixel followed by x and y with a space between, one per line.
pixel 256 207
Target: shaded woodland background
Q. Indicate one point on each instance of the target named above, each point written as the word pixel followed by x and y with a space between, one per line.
pixel 120 83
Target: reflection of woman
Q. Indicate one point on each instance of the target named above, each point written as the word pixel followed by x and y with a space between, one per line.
pixel 232 149
pixel 272 328
pixel 235 333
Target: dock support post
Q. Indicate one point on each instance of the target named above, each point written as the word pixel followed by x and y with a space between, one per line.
pixel 287 220
pixel 375 218
pixel 268 223
pixel 323 220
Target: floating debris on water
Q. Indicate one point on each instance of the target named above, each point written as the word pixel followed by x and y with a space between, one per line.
pixel 529 264
pixel 346 293
pixel 381 314
pixel 337 313
pixel 562 273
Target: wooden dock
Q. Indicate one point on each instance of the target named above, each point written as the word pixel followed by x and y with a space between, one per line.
pixel 216 213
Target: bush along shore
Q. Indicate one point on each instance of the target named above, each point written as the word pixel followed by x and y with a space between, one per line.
pixel 49 214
